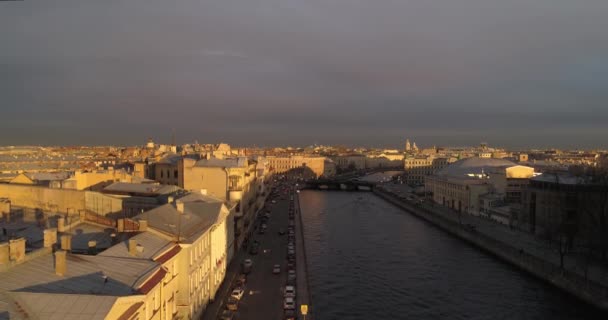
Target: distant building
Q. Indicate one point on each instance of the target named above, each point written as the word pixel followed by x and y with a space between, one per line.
pixel 319 166
pixel 418 167
pixel 460 185
pixel 234 180
pixel 40 178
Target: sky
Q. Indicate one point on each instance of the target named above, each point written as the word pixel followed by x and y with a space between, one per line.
pixel 513 73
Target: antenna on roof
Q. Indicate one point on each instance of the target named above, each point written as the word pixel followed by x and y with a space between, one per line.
pixel 179 226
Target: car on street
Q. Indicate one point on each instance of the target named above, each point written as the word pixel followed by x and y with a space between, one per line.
pixel 247 265
pixel 241 279
pixel 290 291
pixel 290 315
pixel 232 304
pixel 226 315
pixel 274 201
pixel 289 304
pixel 281 231
pixel 276 269
pixel 237 293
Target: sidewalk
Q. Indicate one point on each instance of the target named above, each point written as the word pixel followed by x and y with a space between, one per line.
pixel 518 239
pixel 213 309
pixel 303 294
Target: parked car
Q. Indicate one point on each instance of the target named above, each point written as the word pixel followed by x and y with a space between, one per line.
pixel 290 315
pixel 226 315
pixel 232 304
pixel 247 265
pixel 237 293
pixel 289 304
pixel 241 279
pixel 281 231
pixel 290 291
pixel 276 269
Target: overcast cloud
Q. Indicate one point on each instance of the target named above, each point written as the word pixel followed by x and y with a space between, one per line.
pixel 516 73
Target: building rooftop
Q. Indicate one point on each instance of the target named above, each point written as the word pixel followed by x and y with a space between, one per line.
pixel 196 218
pixel 98 275
pixel 239 162
pixel 142 189
pixel 462 168
pixel 153 246
pixel 47 176
pixel 61 306
pixel 200 212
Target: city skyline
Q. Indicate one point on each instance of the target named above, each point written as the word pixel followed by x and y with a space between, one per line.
pixel 269 72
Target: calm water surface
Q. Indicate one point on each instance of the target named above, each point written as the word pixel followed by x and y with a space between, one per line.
pixel 370 260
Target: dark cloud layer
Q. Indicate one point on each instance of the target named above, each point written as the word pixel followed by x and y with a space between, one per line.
pixel 516 73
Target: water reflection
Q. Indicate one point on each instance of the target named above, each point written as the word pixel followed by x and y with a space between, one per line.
pixel 369 260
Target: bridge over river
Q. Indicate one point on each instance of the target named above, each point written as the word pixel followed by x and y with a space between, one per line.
pixel 352 182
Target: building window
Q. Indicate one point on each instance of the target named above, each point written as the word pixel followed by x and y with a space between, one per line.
pixel 175 174
pixel 161 174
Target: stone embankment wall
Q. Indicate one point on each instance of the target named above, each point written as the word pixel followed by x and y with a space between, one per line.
pixel 570 282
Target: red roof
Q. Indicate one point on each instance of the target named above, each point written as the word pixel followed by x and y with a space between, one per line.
pixel 152 281
pixel 131 311
pixel 169 254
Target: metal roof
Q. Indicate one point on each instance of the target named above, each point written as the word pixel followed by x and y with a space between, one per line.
pixel 85 275
pixel 152 244
pixel 62 306
pixel 239 162
pixel 140 188
pixel 475 165
pixel 196 218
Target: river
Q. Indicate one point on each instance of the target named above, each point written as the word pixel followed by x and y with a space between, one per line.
pixel 370 260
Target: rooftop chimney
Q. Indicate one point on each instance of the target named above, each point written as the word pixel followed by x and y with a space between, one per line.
pixel 170 199
pixel 204 192
pixel 132 247
pixel 17 249
pixel 66 242
pixel 4 253
pixel 50 237
pixel 143 225
pixel 180 206
pixel 61 224
pixel 60 262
